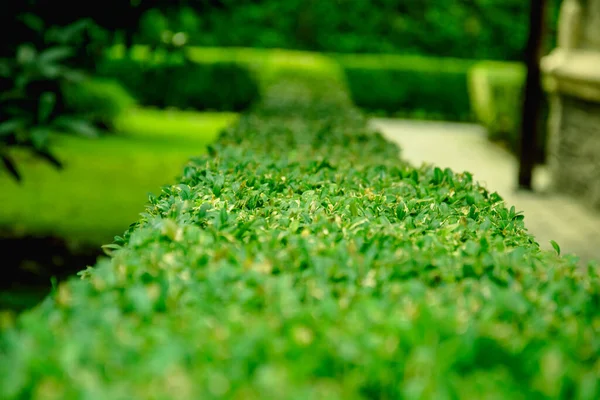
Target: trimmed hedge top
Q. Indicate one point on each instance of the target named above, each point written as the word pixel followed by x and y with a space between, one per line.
pixel 302 259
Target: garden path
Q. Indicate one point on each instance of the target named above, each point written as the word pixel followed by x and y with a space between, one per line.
pixel 464 147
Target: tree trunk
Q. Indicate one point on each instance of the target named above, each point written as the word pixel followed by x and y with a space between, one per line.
pixel 533 95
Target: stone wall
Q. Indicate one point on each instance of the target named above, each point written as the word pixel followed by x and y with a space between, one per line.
pixel 573 69
pixel 574 153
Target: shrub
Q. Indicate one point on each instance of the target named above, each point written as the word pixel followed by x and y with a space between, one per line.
pixel 99 100
pixel 181 83
pixel 32 104
pixel 496 90
pixel 301 258
pixel 489 29
pixel 433 87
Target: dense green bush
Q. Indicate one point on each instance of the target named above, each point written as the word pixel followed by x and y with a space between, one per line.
pixel 480 29
pixel 496 90
pixel 99 100
pixel 418 86
pixel 176 81
pixel 32 104
pixel 302 259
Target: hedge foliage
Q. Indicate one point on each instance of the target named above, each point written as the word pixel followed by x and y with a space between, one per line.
pixel 407 86
pixel 173 80
pixel 496 91
pixel 480 29
pixel 431 87
pixel 101 101
pixel 301 258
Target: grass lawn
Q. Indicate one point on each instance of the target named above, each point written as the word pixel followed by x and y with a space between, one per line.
pixel 106 181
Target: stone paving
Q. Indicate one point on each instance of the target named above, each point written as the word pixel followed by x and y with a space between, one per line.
pixel 464 147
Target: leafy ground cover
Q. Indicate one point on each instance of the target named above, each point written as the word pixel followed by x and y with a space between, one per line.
pixel 301 258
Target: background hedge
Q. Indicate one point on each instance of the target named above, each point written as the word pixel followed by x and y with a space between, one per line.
pixel 429 87
pixel 478 29
pixel 173 80
pixel 496 91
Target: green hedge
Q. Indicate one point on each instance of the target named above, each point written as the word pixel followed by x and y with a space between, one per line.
pixel 428 87
pixel 179 82
pixel 496 90
pixel 490 29
pixel 101 101
pixel 302 259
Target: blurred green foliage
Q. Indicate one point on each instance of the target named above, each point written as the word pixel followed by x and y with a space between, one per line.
pixel 101 101
pixel 479 29
pixel 31 101
pixel 496 91
pixel 412 85
pixel 184 84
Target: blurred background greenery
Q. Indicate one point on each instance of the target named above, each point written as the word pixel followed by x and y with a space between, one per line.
pixel 102 103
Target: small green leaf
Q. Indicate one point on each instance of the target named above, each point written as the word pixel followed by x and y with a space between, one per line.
pixel 109 249
pixel 555 246
pixel 470 199
pixel 438 175
pixel 33 22
pixel 46 105
pixel 353 208
pixel 26 54
pixel 49 71
pixel 54 54
pixel 10 126
pixel 73 76
pixel 401 211
pixel 78 126
pixel 10 166
pixel 54 283
pixel 223 217
pixel 39 137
